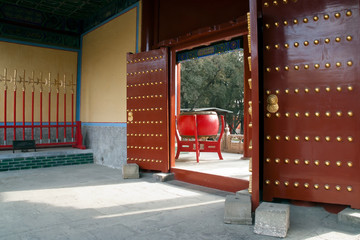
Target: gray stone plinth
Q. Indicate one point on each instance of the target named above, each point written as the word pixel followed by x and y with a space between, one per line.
pixel 272 219
pixel 238 210
pixel 243 192
pixel 163 177
pixel 130 171
pixel 350 217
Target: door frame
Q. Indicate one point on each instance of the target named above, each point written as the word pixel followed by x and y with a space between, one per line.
pixel 175 82
pixel 255 152
pixel 201 38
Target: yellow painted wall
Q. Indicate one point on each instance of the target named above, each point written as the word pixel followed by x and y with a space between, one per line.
pixel 37 59
pixel 103 74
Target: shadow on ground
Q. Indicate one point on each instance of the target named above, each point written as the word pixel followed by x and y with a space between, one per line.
pixel 94 202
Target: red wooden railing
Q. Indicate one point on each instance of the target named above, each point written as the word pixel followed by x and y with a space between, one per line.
pixel 68 139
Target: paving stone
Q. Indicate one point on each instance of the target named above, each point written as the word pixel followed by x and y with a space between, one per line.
pixel 163 177
pixel 96 203
pixel 272 219
pixel 350 217
pixel 130 171
pixel 238 209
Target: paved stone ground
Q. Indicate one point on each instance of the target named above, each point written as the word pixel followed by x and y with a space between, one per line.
pixel 94 202
pixel 232 165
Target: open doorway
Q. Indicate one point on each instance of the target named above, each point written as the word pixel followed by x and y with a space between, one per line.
pixel 212 81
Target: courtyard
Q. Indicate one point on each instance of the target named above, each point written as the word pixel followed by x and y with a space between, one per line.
pixel 94 202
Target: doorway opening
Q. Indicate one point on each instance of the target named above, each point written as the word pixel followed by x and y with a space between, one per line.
pixel 211 80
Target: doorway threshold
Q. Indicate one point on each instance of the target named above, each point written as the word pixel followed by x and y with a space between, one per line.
pixel 223 183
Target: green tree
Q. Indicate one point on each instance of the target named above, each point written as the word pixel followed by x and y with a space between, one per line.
pixel 215 81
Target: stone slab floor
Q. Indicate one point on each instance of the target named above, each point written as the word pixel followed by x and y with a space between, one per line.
pixel 232 165
pixel 94 202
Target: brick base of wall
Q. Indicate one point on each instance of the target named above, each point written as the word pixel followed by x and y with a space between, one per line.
pixel 20 163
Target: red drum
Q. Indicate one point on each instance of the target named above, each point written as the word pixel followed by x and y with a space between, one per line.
pixel 207 124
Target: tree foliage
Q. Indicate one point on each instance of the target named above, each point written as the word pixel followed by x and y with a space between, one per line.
pixel 215 81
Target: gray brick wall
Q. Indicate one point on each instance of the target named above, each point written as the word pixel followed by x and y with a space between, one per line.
pixel 107 143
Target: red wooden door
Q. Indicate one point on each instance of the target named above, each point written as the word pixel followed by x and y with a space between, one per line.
pixel 311 104
pixel 252 106
pixel 147 110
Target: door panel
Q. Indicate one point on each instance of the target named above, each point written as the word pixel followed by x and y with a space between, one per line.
pixel 147 110
pixel 311 72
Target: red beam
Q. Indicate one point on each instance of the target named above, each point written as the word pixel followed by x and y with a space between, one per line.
pixel 78 137
pixel 63 144
pixel 49 113
pixel 44 126
pixel 41 123
pixel 32 115
pixel 5 110
pixel 72 116
pixel 64 117
pixel 23 95
pixel 57 116
pixel 14 114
